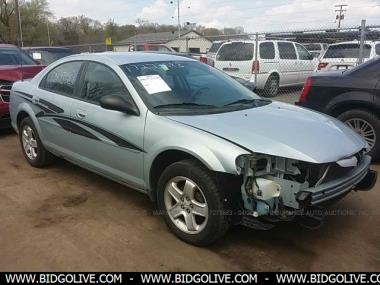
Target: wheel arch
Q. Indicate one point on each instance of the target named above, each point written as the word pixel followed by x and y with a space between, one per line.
pixel 23 112
pixel 344 106
pixel 273 73
pixel 170 156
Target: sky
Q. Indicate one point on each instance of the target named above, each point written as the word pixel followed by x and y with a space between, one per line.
pixel 252 15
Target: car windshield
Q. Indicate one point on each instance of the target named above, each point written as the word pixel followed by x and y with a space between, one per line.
pixel 49 56
pixel 15 57
pixel 347 51
pixel 186 85
pixel 237 51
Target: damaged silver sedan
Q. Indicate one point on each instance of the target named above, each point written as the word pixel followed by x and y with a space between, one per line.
pixel 208 150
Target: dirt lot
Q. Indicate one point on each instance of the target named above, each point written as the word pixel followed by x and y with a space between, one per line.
pixel 65 218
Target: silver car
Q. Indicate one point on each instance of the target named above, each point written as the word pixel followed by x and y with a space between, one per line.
pixel 208 150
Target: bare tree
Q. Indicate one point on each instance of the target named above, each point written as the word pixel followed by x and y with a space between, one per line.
pixel 7 9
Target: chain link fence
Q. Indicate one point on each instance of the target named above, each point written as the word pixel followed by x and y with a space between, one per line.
pixel 277 63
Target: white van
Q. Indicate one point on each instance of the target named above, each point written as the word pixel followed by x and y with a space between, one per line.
pixel 316 49
pixel 279 63
pixel 345 55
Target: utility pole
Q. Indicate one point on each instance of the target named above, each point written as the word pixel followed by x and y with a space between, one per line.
pixel 48 31
pixel 179 21
pixel 340 17
pixel 178 18
pixel 18 17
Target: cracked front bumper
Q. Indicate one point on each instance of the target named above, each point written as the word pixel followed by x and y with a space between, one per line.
pixel 359 178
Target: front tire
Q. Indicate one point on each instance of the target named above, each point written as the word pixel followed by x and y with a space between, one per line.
pixel 192 203
pixel 367 125
pixel 31 145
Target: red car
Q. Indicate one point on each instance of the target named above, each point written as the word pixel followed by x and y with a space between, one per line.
pixel 15 65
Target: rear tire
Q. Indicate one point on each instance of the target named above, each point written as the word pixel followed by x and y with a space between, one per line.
pixel 31 145
pixel 272 86
pixel 367 125
pixel 201 219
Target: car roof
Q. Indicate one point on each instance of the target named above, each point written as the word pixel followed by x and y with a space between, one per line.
pixel 8 46
pixel 47 48
pixel 355 42
pixel 260 41
pixel 121 58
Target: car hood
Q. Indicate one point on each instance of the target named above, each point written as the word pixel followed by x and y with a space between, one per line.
pixel 283 130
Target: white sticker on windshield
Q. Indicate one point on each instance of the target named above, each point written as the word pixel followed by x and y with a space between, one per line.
pixel 153 83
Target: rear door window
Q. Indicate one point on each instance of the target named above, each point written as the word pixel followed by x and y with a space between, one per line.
pixel 267 50
pixel 377 49
pixel 303 53
pixel 286 50
pixel 62 79
pixel 236 52
pixel 347 51
pixel 313 47
pixel 214 47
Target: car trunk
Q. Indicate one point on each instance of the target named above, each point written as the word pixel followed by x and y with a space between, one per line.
pixel 344 56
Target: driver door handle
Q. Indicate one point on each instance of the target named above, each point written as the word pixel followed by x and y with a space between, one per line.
pixel 81 114
pixel 35 100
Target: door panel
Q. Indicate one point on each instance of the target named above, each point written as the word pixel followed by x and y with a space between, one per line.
pixel 54 101
pixel 110 142
pixel 289 64
pixel 307 63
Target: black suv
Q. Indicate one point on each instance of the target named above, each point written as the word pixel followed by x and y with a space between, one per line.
pixel 353 96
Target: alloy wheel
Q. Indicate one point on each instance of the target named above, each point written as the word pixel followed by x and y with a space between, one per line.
pixel 364 129
pixel 29 142
pixel 186 205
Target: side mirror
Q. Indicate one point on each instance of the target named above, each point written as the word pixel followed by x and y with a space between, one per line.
pixel 117 103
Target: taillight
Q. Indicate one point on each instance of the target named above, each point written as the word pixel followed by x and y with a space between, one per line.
pixel 203 59
pixel 322 65
pixel 305 91
pixel 255 66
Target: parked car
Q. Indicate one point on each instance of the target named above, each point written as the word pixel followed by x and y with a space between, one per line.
pixel 209 58
pixel 346 55
pixel 47 55
pixel 14 65
pixel 208 150
pixel 145 47
pixel 279 63
pixel 316 49
pixel 353 96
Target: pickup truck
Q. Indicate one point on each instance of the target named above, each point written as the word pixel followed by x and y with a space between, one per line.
pixel 15 65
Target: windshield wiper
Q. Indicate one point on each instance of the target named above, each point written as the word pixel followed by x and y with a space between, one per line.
pixel 242 101
pixel 185 104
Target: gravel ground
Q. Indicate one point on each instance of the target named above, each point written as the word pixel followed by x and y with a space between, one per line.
pixel 66 218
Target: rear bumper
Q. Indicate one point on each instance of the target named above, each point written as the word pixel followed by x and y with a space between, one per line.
pixel 360 178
